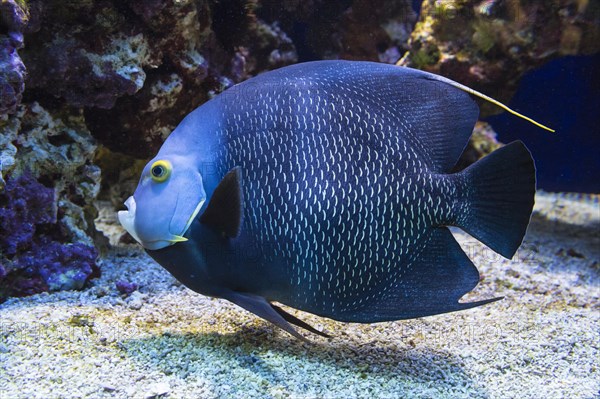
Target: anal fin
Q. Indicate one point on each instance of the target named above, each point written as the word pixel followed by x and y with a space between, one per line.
pixel 433 284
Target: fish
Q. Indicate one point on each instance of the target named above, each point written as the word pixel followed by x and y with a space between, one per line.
pixel 328 187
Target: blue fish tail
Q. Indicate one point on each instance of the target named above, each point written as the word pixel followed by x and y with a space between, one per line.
pixel 501 199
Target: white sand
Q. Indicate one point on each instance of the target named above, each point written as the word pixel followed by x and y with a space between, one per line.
pixel 541 341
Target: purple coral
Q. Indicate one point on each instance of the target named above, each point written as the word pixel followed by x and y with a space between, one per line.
pixel 126 287
pixel 33 258
pixel 12 73
pixel 12 69
pixel 54 266
pixel 25 204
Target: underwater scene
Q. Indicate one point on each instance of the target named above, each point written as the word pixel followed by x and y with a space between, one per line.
pixel 304 199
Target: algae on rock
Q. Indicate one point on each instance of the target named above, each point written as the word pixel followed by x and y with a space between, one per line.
pixel 489 45
pixel 58 151
pixel 47 233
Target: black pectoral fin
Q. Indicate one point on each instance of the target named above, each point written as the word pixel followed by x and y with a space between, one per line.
pixel 260 307
pixel 297 322
pixel 225 209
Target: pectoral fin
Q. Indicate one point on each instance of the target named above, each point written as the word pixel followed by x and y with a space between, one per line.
pixel 225 209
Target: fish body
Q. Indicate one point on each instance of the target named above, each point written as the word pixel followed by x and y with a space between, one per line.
pixel 327 186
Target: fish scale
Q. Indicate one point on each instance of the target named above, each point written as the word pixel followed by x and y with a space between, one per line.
pixel 326 186
pixel 278 121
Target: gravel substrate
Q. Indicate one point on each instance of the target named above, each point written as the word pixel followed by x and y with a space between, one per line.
pixel 165 341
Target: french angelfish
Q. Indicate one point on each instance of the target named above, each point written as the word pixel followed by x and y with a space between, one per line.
pixel 327 187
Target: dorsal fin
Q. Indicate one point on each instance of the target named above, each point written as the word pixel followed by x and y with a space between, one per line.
pixel 491 100
pixel 225 210
pixel 441 117
pixel 475 93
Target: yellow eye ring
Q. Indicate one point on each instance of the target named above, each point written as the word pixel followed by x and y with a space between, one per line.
pixel 160 171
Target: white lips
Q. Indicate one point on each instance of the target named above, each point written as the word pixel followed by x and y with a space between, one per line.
pixel 127 218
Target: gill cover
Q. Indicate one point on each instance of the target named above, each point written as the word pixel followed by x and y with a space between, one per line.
pixel 168 197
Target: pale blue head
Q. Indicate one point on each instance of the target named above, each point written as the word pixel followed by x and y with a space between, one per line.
pixel 168 197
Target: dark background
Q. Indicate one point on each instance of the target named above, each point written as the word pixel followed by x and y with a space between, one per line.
pixel 565 95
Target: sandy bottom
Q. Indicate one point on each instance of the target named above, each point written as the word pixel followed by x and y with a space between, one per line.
pixel 541 341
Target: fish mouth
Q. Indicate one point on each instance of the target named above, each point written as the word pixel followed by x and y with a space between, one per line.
pixel 127 218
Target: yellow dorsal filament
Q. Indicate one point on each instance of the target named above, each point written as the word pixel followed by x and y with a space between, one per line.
pixel 497 103
pixel 475 93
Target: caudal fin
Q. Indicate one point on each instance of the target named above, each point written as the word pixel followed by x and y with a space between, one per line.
pixel 503 191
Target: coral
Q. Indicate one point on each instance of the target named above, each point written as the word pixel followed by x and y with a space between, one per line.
pixel 137 68
pixel 359 29
pixel 27 204
pixel 86 78
pixel 32 254
pixel 13 17
pixel 125 287
pixel 12 73
pixel 196 55
pixel 108 59
pixel 57 151
pixel 47 234
pixel 489 45
pixel 269 48
pixel 483 142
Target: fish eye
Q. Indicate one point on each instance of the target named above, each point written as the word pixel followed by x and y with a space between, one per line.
pixel 160 171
